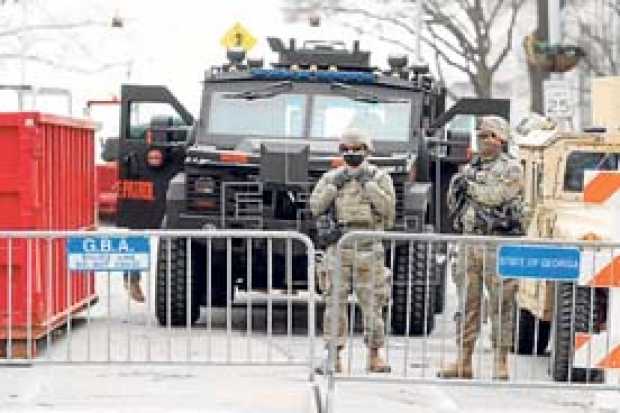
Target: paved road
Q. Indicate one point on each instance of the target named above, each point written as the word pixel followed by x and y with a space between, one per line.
pixel 115 329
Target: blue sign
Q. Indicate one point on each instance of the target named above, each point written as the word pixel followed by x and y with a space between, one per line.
pixel 108 253
pixel 538 261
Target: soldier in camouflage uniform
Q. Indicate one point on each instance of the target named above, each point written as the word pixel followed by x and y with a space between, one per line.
pixel 363 197
pixel 493 182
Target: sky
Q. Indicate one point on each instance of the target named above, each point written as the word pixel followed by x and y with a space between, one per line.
pixel 163 42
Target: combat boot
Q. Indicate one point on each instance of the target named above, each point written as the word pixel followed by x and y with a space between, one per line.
pixel 377 364
pixel 135 291
pixel 501 366
pixel 338 365
pixel 462 367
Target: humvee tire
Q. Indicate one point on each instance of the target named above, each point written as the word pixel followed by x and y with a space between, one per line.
pixel 527 333
pixel 174 270
pixel 564 338
pixel 422 302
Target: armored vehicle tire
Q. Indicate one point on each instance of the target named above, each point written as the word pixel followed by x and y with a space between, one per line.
pixel 524 341
pixel 421 300
pixel 564 336
pixel 173 270
pixel 440 296
pixel 441 271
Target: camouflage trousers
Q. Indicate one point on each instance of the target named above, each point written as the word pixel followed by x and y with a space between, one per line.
pixel 480 273
pixel 365 274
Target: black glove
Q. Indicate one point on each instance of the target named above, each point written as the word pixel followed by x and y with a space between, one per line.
pixel 366 175
pixel 340 178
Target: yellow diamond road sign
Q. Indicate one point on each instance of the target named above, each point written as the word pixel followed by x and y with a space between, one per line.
pixel 238 36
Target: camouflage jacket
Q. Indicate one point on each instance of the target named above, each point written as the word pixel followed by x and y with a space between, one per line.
pixel 492 185
pixel 372 206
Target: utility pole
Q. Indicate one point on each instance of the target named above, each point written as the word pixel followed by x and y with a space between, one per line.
pixel 537 75
pixel 555 28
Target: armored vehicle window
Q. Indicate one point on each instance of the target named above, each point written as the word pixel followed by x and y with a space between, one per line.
pixel 277 116
pixel 578 162
pixel 153 115
pixel 331 115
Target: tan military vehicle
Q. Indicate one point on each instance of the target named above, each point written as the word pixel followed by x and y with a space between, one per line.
pixel 554 164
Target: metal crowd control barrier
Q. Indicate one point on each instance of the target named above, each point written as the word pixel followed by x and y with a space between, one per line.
pixel 583 314
pixel 86 317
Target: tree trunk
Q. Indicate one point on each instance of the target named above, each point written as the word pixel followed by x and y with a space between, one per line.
pixel 483 83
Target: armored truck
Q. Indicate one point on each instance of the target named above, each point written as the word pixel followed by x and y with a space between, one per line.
pixel 263 138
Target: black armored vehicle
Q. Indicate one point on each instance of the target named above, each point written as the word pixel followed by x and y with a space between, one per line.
pixel 263 138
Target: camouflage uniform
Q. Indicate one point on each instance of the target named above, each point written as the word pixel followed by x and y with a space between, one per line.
pixel 499 181
pixel 361 207
pixel 492 183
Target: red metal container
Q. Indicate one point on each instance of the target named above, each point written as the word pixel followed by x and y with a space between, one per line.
pixel 47 182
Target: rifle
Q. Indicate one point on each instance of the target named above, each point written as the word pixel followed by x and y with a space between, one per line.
pixel 328 229
pixel 504 219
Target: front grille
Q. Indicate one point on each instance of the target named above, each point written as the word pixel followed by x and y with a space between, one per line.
pixel 242 201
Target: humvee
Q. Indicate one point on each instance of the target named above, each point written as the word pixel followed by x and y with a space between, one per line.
pixel 554 164
pixel 263 138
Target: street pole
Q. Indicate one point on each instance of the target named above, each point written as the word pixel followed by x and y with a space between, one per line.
pixel 555 29
pixel 537 76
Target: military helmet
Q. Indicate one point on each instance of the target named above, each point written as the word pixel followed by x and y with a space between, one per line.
pixel 352 136
pixel 496 125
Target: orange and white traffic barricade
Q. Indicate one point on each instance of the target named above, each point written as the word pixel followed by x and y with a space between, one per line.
pixel 600 268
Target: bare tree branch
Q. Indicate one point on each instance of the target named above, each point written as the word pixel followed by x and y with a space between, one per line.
pixel 449 60
pixel 448 24
pixel 406 47
pixel 605 45
pixel 441 77
pixel 58 65
pixel 460 33
pixel 365 13
pixel 459 52
pixel 55 26
pixel 516 6
pixel 499 4
pixel 395 42
pixel 476 18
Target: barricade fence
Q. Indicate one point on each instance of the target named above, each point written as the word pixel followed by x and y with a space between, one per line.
pixel 251 298
pixel 210 297
pixel 547 305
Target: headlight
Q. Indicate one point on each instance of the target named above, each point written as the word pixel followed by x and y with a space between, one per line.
pixel 205 186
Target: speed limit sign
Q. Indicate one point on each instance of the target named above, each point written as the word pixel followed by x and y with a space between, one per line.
pixel 559 102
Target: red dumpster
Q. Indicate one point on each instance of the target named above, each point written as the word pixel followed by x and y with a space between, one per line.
pixel 47 182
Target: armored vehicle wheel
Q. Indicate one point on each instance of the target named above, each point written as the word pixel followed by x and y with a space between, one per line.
pixel 421 306
pixel 564 337
pixel 440 293
pixel 172 280
pixel 441 274
pixel 527 333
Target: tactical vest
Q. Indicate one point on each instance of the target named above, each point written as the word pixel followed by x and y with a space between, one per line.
pixel 353 207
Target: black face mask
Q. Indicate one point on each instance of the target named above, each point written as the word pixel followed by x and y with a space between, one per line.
pixel 353 159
